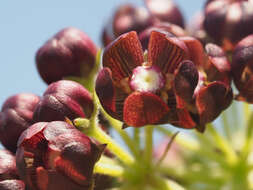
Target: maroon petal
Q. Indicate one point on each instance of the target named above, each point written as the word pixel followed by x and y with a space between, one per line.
pixel 184 119
pixel 186 80
pixel 123 55
pixel 211 100
pixel 139 109
pixel 196 50
pixel 52 180
pixel 111 97
pixel 8 165
pixel 166 52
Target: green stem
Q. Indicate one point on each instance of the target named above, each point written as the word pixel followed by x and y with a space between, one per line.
pixel 136 137
pixel 108 169
pixel 226 127
pixel 117 125
pixel 112 145
pixel 223 145
pixel 148 143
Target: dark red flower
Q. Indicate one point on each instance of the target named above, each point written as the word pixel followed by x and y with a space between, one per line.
pixel 165 11
pixel 228 21
pixel 130 87
pixel 56 155
pixel 15 117
pixel 64 99
pixel 242 68
pixel 70 52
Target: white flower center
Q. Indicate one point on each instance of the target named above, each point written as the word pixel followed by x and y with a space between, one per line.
pixel 147 79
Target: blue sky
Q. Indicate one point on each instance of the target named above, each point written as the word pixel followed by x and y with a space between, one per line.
pixel 26 25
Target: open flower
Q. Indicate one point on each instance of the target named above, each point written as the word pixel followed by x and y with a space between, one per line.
pixel 16 115
pixel 165 87
pixel 56 155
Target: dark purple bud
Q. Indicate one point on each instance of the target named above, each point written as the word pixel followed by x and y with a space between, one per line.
pixel 64 99
pixel 242 68
pixel 7 166
pixel 128 18
pixel 232 18
pixel 15 117
pixel 166 11
pixel 56 155
pixel 70 52
pixel 173 30
pixel 12 184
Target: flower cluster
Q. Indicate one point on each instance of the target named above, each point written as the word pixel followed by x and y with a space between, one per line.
pixel 150 72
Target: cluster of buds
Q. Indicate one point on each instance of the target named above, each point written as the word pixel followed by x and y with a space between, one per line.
pixel 228 21
pixel 186 86
pixel 131 18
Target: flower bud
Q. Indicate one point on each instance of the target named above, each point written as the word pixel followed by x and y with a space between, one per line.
pixel 56 155
pixel 228 21
pixel 64 99
pixel 9 179
pixel 15 117
pixel 242 68
pixel 165 11
pixel 70 52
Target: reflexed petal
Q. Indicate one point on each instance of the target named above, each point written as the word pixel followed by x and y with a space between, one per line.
pixel 111 97
pixel 144 108
pixel 123 55
pixel 196 50
pixel 166 52
pixel 211 100
pixel 186 80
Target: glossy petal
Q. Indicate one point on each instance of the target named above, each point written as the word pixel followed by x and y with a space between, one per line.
pixel 123 55
pixel 186 80
pixel 166 52
pixel 111 98
pixel 211 100
pixel 139 109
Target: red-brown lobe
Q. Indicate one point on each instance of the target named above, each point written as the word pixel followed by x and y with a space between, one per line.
pixel 123 55
pixel 139 109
